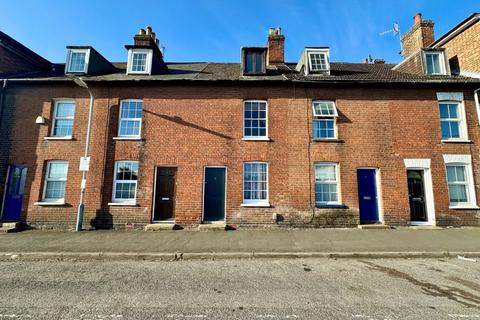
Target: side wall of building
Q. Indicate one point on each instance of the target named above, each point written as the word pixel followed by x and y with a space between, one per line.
pixel 463 49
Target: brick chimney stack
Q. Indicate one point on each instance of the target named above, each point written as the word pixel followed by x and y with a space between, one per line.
pixel 275 47
pixel 419 36
pixel 146 37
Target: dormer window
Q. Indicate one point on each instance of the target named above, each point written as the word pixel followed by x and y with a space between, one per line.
pixel 318 61
pixel 434 63
pixel 254 61
pixel 77 60
pixel 139 61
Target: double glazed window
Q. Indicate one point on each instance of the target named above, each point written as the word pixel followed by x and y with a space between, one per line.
pixel 461 189
pixel 324 120
pixel 434 63
pixel 452 120
pixel 139 61
pixel 255 120
pixel 125 182
pixel 326 184
pixel 77 60
pixel 55 181
pixel 255 183
pixel 62 123
pixel 130 122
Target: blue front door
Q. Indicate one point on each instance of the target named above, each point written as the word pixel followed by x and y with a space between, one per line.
pixel 12 207
pixel 367 195
pixel 214 194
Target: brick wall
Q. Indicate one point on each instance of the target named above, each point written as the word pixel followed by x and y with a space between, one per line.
pixel 463 51
pixel 190 127
pixel 419 36
pixel 12 63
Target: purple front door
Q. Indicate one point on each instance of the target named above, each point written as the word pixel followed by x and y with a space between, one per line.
pixel 12 207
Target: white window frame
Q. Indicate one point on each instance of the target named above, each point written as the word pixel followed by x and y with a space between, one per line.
pixel 258 138
pixel 462 121
pixel 55 118
pixel 46 179
pixel 325 53
pixel 337 182
pixel 69 60
pixel 466 161
pixel 148 62
pixel 132 136
pixel 115 181
pixel 255 202
pixel 441 57
pixel 333 116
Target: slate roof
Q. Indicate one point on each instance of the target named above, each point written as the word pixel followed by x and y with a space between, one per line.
pixel 209 71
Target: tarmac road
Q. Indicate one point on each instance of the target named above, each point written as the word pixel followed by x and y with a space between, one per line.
pixel 241 289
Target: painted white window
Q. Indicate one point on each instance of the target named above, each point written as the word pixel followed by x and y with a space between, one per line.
pixel 55 181
pixel 255 120
pixel 326 184
pixel 130 122
pixel 255 183
pixel 77 60
pixel 139 61
pixel 434 63
pixel 125 182
pixel 452 120
pixel 461 188
pixel 324 120
pixel 62 123
pixel 318 61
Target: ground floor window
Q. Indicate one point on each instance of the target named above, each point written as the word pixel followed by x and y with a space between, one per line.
pixel 326 184
pixel 125 183
pixel 255 183
pixel 55 181
pixel 461 189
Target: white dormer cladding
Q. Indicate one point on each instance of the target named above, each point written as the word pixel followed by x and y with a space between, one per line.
pixel 139 61
pixel 77 60
pixel 314 61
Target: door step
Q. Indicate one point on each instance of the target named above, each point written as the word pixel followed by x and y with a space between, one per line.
pixel 9 226
pixel 212 227
pixel 161 227
pixel 377 226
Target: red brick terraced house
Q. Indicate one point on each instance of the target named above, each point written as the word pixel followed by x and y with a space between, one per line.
pixel 260 142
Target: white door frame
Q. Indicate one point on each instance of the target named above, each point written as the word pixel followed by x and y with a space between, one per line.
pixel 203 195
pixel 378 187
pixel 423 165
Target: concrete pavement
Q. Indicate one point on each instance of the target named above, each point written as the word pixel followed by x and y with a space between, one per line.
pixel 244 243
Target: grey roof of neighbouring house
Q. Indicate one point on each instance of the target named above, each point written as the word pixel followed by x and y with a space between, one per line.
pixel 211 71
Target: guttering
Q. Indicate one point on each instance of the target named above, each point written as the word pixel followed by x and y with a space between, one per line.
pixel 456 30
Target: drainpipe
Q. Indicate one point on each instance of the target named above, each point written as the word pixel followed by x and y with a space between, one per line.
pixel 3 89
pixel 477 103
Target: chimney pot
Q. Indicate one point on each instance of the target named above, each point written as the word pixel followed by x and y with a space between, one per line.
pixel 271 31
pixel 141 32
pixel 418 18
pixel 149 30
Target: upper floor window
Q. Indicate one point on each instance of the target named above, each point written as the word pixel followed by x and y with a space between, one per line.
pixel 139 61
pixel 435 63
pixel 77 61
pixel 62 123
pixel 318 61
pixel 130 122
pixel 324 120
pixel 125 182
pixel 254 62
pixel 326 184
pixel 452 120
pixel 55 181
pixel 255 120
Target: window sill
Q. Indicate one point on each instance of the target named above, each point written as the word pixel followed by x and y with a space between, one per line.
pixel 122 204
pixel 128 138
pixel 256 139
pixel 256 205
pixel 327 140
pixel 456 141
pixel 464 207
pixel 67 138
pixel 47 203
pixel 331 206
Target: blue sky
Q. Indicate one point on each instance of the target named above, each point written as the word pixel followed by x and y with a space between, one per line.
pixel 214 30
